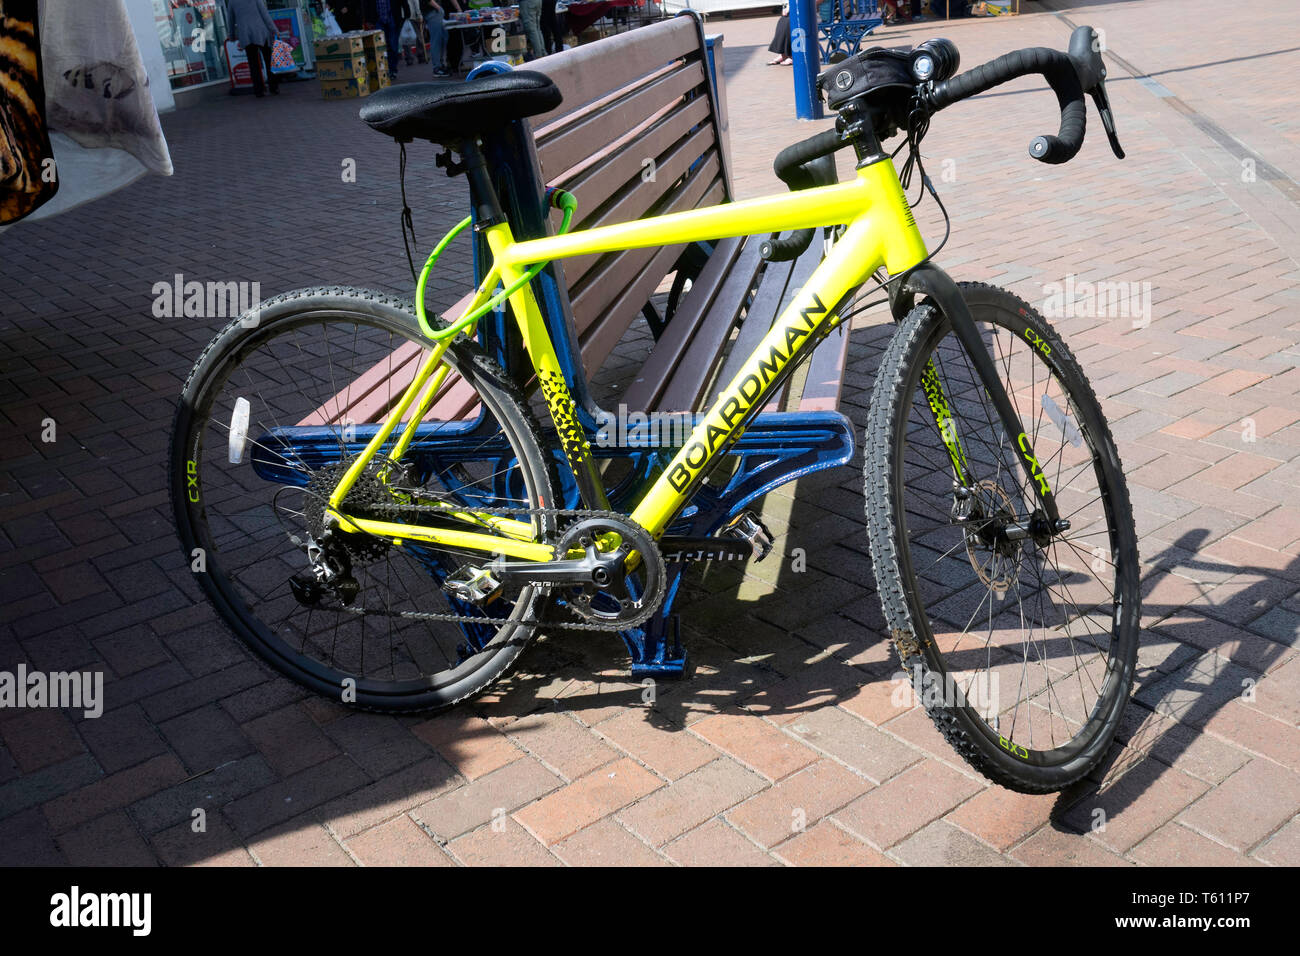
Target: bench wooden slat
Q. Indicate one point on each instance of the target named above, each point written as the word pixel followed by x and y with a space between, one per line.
pixel 803 269
pixel 369 390
pixel 612 171
pixel 821 390
pixel 691 379
pixel 595 297
pixel 751 333
pixel 545 128
pixel 568 149
pixel 584 74
pixel 369 396
pixel 605 330
pixel 644 392
pixel 780 282
pixel 634 204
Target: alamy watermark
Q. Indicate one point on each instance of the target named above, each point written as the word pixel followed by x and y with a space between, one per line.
pixel 979 690
pixel 76 909
pixel 626 429
pixel 1081 298
pixel 191 299
pixel 77 690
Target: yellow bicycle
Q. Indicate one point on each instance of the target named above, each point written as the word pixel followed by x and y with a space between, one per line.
pixel 400 557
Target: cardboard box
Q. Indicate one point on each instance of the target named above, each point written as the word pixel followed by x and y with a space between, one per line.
pixel 349 44
pixel 379 80
pixel 345 89
pixel 341 67
pixel 373 40
pixel 517 44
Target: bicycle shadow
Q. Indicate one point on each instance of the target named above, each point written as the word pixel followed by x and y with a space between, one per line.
pixel 1193 670
pixel 802 632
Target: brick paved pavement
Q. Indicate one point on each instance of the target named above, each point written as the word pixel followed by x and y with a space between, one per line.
pixel 789 716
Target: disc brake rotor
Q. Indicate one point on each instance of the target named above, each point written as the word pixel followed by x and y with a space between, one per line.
pixel 995 564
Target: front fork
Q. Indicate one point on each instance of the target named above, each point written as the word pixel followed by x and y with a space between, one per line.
pixel 929 280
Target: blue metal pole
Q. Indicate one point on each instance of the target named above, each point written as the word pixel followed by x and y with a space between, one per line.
pixel 807 61
pixel 804 50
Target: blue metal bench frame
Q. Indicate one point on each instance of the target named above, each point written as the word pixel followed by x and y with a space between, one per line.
pixel 848 23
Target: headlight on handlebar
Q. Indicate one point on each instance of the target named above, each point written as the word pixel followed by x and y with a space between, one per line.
pixel 935 60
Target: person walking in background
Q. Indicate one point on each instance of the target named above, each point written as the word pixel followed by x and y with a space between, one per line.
pixel 408 11
pixel 252 26
pixel 433 23
pixel 530 15
pixel 551 38
pixel 893 12
pixel 780 44
pixel 455 38
pixel 384 15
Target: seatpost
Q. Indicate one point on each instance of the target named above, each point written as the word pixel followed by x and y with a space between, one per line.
pixel 487 205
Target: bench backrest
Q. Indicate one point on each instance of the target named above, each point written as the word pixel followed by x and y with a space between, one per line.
pixel 639 133
pixel 647 94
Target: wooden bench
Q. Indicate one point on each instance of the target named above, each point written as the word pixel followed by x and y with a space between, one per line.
pixel 642 131
pixel 663 93
pixel 654 83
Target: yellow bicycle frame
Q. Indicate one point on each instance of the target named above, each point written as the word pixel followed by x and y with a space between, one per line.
pixel 880 232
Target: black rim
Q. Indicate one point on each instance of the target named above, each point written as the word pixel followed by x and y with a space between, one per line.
pixel 1067 671
pixel 261 515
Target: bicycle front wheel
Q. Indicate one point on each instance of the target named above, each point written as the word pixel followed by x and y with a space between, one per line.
pixel 1021 645
pixel 277 408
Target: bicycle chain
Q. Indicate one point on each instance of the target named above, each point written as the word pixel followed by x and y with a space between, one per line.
pixel 575 513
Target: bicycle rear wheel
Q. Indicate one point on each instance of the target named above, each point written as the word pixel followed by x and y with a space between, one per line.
pixel 277 407
pixel 1023 652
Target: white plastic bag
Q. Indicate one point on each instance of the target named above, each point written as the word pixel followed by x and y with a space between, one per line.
pixel 408 36
pixel 332 28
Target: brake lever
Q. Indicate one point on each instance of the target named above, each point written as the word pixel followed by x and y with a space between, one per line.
pixel 1102 101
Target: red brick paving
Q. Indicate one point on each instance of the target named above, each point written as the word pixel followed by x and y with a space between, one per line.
pixel 787 746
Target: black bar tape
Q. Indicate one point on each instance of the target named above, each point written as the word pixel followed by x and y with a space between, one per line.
pixel 795 165
pixel 791 247
pixel 1060 73
pixel 788 162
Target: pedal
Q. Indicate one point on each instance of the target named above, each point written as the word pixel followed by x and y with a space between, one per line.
pixel 747 527
pixel 473 584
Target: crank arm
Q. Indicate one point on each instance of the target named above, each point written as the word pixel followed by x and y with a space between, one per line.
pixel 600 570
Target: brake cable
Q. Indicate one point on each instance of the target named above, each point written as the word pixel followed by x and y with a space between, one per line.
pixel 918 124
pixel 408 220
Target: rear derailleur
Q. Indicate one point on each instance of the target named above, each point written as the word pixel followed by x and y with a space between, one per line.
pixel 329 571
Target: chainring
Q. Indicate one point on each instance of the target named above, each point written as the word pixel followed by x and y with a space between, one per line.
pixel 611 604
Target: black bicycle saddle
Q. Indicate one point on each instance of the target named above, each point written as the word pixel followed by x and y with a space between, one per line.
pixel 448 111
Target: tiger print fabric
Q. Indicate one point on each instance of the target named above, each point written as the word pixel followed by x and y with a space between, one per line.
pixel 26 179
